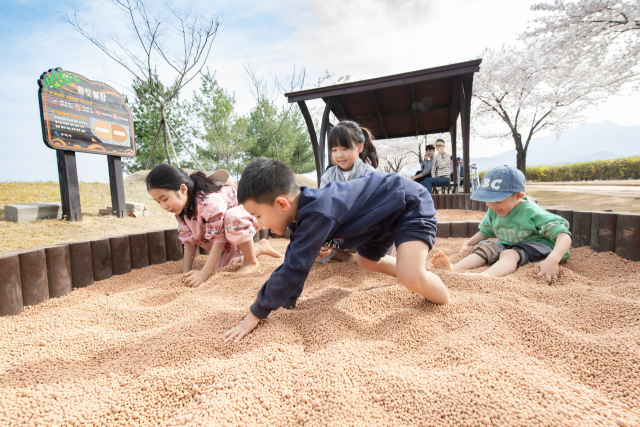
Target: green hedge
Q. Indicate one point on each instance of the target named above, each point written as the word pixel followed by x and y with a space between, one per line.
pixel 626 168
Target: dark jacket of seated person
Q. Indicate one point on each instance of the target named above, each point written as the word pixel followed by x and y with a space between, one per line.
pixel 370 214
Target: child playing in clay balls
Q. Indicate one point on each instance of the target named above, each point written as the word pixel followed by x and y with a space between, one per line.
pixel 526 232
pixel 209 216
pixel 369 213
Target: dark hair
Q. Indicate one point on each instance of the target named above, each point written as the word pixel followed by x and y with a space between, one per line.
pixel 439 139
pixel 430 147
pixel 169 177
pixel 348 134
pixel 263 180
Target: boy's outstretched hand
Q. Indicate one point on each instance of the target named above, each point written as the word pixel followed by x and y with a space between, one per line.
pixel 549 269
pixel 247 325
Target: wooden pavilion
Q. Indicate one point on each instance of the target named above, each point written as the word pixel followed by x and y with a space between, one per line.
pixel 420 102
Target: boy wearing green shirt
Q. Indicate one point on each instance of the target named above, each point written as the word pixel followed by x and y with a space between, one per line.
pixel 526 232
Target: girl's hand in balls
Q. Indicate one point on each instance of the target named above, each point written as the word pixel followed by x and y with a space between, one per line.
pixel 247 325
pixel 194 278
pixel 464 248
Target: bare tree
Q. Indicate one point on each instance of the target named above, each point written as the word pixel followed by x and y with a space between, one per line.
pixel 150 28
pixel 266 90
pixel 394 163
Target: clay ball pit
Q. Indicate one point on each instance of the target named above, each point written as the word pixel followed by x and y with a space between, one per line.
pixel 359 350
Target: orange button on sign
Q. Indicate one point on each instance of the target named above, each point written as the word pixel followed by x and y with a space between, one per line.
pixel 119 133
pixel 102 129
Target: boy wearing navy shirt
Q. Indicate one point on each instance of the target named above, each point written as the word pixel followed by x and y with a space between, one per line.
pixel 370 214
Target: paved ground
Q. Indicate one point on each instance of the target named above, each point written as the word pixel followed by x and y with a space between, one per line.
pixel 629 188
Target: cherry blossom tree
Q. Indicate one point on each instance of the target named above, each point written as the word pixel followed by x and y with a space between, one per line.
pixel 606 32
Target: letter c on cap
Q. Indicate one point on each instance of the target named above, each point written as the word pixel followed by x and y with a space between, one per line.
pixel 496 184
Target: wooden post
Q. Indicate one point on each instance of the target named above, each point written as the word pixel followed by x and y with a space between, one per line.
pixel 466 125
pixel 69 188
pixel 313 136
pixel 444 230
pixel 10 287
pixel 118 205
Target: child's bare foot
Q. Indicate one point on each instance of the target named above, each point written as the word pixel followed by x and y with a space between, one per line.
pixel 248 267
pixel 263 247
pixel 441 261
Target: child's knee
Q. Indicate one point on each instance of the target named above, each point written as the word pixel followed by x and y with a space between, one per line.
pixel 411 279
pixel 365 263
pixel 510 255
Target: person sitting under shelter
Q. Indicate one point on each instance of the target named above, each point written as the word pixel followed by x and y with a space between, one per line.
pixel 425 165
pixel 440 169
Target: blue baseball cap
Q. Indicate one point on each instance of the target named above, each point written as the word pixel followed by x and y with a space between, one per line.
pixel 499 183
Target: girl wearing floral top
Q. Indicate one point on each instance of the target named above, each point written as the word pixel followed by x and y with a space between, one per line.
pixel 208 216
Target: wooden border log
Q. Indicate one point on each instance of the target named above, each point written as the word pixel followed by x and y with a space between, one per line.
pixel 10 287
pixel 581 229
pixel 568 215
pixel 33 276
pixel 460 198
pixel 139 248
pixel 436 201
pixel 120 255
pixel 101 259
pixel 264 234
pixel 173 245
pixel 458 229
pixel 81 268
pixel 448 201
pixel 442 203
pixel 443 230
pixel 628 236
pixel 467 202
pixel 475 205
pixel 157 247
pixel 472 228
pixel 484 207
pixel 603 231
pixel 58 270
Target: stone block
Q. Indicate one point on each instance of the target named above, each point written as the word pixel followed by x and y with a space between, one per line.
pixel 29 212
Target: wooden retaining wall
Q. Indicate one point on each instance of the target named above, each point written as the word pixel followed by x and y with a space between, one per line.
pixel 33 276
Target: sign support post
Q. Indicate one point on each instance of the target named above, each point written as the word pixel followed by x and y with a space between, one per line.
pixel 118 204
pixel 78 114
pixel 69 188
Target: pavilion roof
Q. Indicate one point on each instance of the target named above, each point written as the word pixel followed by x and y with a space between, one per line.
pixel 409 104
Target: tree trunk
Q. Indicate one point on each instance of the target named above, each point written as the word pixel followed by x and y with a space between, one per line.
pixel 276 147
pixel 163 123
pixel 521 155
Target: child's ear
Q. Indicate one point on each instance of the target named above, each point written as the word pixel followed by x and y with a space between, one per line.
pixel 519 196
pixel 183 189
pixel 282 203
pixel 360 147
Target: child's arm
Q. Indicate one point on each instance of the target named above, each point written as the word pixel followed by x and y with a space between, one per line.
pixel 195 278
pixel 549 267
pixel 472 241
pixel 187 262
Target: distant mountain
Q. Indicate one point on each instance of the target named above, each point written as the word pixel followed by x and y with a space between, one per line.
pixel 587 142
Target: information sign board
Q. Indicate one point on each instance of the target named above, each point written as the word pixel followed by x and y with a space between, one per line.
pixel 78 114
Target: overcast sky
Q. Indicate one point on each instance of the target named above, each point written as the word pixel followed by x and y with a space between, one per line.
pixel 363 38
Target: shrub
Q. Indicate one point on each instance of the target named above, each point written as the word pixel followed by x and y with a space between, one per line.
pixel 601 170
